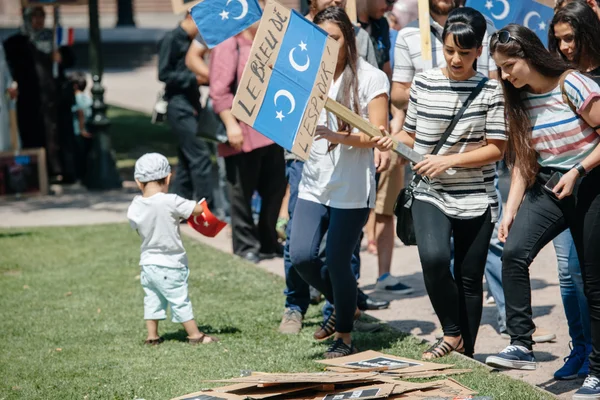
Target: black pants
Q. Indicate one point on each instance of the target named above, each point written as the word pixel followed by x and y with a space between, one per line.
pixel 261 170
pixel 194 176
pixel 457 301
pixel 539 220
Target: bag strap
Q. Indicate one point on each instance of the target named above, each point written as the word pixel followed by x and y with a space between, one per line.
pixel 455 120
pixel 565 96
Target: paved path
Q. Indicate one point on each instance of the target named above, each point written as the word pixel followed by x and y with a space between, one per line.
pixel 412 313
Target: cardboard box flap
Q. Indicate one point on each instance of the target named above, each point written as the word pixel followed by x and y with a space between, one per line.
pixel 210 395
pixel 373 359
pixel 319 377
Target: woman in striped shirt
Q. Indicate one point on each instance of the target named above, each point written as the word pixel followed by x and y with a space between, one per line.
pixel 552 147
pixel 459 199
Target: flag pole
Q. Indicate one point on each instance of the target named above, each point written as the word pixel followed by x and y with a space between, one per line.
pixel 54 44
pixel 425 28
pixel 355 120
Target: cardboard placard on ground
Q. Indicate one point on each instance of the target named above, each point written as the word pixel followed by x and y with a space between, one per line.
pixel 373 359
pixel 262 68
pixel 210 395
pixel 432 374
pixel 23 173
pixel 317 377
pixel 447 388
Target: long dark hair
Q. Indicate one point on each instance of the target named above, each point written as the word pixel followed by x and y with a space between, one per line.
pixel 586 32
pixel 468 27
pixel 523 44
pixel 348 93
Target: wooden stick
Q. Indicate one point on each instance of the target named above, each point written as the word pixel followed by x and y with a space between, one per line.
pixel 14 131
pixel 351 11
pixel 369 129
pixel 425 28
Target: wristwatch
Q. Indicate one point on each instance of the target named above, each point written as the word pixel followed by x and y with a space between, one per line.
pixel 580 169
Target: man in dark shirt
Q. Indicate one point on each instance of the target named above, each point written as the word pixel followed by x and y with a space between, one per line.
pixel 371 18
pixel 194 173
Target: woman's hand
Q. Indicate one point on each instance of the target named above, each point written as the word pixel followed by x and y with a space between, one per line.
pixel 505 225
pixel 324 132
pixel 433 166
pixel 235 136
pixel 382 160
pixel 564 187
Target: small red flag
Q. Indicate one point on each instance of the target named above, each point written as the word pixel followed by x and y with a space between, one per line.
pixel 206 223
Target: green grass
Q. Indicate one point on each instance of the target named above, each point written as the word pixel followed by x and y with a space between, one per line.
pixel 77 290
pixel 132 134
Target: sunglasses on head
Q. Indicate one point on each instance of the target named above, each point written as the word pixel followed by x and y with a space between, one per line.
pixel 505 37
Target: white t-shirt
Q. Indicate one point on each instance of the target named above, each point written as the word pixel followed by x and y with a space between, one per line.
pixel 156 219
pixel 345 177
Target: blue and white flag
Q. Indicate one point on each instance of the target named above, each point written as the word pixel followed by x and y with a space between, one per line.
pixel 287 78
pixel 528 13
pixel 291 84
pixel 218 20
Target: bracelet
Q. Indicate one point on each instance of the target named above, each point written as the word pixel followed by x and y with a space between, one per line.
pixel 580 169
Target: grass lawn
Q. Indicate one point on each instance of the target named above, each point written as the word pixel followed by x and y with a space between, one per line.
pixel 71 310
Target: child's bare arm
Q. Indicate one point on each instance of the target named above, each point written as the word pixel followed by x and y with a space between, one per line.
pixel 81 118
pixel 198 210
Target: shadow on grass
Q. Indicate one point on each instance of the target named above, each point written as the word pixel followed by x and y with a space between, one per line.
pixel 181 335
pixel 5 235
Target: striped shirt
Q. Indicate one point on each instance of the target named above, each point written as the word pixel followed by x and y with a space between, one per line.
pixel 407 55
pixel 560 137
pixel 434 101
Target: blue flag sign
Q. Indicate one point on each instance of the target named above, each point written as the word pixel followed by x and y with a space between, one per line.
pixel 529 13
pixel 218 20
pixel 287 78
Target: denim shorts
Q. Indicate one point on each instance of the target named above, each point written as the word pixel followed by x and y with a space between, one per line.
pixel 166 287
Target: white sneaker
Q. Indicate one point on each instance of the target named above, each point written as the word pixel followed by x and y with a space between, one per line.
pixel 392 284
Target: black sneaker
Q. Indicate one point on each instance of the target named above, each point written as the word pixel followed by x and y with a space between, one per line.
pixel 340 349
pixel 392 284
pixel 590 390
pixel 515 357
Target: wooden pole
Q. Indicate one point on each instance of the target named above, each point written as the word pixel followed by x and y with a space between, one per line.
pixel 14 132
pixel 351 11
pixel 425 28
pixel 369 129
pixel 549 3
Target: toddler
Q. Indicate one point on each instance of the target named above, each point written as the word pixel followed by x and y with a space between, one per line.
pixel 156 215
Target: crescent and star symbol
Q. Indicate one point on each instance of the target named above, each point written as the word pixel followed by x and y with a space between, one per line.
pixel 290 97
pixel 299 68
pixel 489 4
pixel 541 25
pixel 225 14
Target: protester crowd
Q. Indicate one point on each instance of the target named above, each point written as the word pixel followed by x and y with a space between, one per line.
pixel 490 94
pixel 52 106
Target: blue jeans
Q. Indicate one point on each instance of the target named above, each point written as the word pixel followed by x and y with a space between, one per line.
pixel 335 280
pixel 571 290
pixel 297 291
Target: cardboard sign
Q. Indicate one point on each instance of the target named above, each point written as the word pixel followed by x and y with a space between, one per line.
pixel 33 3
pixel 320 377
pixel 448 388
pixel 287 78
pixel 210 395
pixel 351 11
pixel 23 173
pixel 364 393
pixel 383 362
pixel 365 360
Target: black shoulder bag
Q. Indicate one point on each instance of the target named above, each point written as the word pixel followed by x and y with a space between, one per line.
pixel 405 228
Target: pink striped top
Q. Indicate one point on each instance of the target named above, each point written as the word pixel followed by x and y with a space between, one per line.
pixel 227 62
pixel 561 137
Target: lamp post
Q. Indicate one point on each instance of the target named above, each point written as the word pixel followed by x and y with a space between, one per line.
pixel 102 171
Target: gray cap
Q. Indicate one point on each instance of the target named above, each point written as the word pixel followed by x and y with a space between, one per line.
pixel 151 167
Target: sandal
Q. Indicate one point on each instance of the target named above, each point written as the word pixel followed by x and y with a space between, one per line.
pixel 340 349
pixel 154 342
pixel 327 329
pixel 443 348
pixel 201 339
